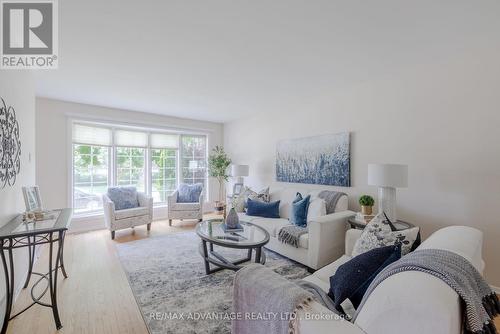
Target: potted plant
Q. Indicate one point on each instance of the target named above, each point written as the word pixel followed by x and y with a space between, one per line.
pixel 218 162
pixel 366 202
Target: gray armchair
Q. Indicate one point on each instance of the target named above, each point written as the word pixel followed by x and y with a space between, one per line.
pixel 184 210
pixel 121 219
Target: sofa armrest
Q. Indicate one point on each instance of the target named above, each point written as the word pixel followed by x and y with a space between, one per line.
pixel 146 201
pixel 351 236
pixel 317 319
pixel 109 210
pixel 327 238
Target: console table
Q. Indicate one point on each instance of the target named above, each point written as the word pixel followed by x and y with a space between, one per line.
pixel 17 234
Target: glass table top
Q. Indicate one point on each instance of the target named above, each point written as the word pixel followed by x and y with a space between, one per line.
pixel 212 231
pixel 54 220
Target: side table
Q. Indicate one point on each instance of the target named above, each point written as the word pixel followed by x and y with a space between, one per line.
pixel 17 234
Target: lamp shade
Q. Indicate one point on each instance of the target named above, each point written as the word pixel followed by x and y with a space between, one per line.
pixel 239 170
pixel 388 175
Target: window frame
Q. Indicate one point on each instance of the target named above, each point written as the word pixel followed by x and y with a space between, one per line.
pixel 112 156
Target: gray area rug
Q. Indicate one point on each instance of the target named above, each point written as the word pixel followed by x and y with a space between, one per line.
pixel 168 279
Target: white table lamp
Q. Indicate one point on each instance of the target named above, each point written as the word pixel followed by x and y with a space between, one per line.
pixel 239 171
pixel 387 177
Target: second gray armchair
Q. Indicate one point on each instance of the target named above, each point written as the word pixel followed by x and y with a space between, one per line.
pixel 185 210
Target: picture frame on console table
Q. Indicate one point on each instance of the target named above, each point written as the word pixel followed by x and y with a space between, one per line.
pixel 32 198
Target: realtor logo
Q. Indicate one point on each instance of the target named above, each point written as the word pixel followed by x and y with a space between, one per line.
pixel 29 34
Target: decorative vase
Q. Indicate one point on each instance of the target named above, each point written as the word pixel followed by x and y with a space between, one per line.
pixel 232 219
pixel 366 210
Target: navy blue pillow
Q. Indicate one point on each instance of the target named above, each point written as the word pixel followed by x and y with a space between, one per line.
pixel 299 210
pixel 352 279
pixel 263 209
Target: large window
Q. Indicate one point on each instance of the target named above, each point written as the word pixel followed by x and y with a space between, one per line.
pixel 90 166
pixel 130 167
pixel 194 159
pixel 164 173
pixel 90 176
pixel 153 162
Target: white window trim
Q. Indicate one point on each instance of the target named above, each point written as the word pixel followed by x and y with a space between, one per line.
pixel 112 155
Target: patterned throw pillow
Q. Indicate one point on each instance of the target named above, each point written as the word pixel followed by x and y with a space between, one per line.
pixel 378 233
pixel 240 203
pixel 262 195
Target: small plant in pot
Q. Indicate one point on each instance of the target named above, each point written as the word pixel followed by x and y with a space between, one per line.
pixel 366 202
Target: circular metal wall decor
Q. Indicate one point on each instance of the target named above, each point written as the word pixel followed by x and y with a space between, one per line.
pixel 10 148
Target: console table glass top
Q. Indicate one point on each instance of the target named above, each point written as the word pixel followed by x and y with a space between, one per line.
pixel 54 220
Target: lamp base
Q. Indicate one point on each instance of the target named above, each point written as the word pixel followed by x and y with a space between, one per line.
pixel 387 202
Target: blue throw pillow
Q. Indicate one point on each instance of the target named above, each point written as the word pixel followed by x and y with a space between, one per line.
pixel 263 209
pixel 352 279
pixel 123 197
pixel 189 193
pixel 299 209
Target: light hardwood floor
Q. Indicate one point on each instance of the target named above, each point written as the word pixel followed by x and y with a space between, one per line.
pixel 96 298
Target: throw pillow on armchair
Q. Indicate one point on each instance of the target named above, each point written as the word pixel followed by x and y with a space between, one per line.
pixel 189 193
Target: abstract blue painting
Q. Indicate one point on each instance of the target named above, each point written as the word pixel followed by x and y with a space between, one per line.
pixel 315 160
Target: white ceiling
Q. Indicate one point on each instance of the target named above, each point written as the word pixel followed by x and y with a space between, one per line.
pixel 223 60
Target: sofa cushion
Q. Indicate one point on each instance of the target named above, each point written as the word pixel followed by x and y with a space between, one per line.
pixel 271 225
pixel 123 197
pixel 189 193
pixel 262 209
pixel 246 218
pixel 303 240
pixel 185 206
pixel 300 206
pixel 353 277
pixel 129 213
pixel 378 233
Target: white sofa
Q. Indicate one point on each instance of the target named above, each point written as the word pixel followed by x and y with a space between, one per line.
pixel 324 241
pixel 409 302
pixel 121 219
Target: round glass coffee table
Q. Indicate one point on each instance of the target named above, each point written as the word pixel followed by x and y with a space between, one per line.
pixel 211 233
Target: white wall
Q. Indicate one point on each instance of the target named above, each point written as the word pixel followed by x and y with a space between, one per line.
pixel 442 118
pixel 17 89
pixel 52 144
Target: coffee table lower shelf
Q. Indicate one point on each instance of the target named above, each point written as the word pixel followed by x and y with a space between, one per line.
pixel 212 257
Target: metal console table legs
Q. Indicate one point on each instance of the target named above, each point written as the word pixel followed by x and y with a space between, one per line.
pixel 17 234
